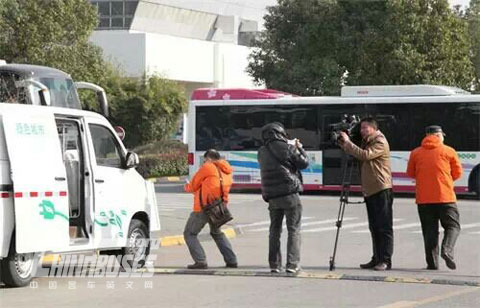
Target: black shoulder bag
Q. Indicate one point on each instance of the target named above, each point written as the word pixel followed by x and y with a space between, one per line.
pixel 217 211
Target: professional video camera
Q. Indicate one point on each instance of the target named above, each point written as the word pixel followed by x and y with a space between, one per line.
pixel 349 125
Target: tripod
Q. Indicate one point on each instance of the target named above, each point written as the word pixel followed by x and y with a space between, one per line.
pixel 348 166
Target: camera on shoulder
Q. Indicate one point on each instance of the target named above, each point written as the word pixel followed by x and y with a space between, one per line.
pixel 348 124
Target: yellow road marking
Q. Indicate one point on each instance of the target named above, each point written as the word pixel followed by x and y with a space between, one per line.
pixel 177 240
pixel 50 258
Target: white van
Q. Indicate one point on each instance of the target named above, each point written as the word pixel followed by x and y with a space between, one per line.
pixel 67 184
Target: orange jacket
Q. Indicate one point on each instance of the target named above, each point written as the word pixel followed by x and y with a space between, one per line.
pixel 434 166
pixel 207 178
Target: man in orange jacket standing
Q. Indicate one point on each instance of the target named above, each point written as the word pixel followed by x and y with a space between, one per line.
pixel 207 183
pixel 435 167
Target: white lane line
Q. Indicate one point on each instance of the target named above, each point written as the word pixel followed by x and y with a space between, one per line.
pixel 321 222
pixel 348 226
pixel 267 222
pixel 406 226
pixel 469 226
pixel 463 227
pixel 368 231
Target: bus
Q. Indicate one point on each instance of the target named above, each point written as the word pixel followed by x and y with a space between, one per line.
pixel 231 120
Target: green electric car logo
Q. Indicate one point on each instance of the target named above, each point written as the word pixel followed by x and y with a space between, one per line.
pixel 112 219
pixel 467 155
pixel 48 211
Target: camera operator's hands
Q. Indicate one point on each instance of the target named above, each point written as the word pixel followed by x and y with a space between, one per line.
pixel 344 139
pixel 298 144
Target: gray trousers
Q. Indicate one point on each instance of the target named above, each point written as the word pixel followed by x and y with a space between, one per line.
pixel 195 224
pixel 447 215
pixel 290 207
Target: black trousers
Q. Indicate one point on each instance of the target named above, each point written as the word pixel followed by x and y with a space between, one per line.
pixel 380 222
pixel 430 215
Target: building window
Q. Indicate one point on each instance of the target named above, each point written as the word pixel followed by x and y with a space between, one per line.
pixel 115 14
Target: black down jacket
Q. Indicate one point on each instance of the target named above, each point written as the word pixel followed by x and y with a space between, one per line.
pixel 280 163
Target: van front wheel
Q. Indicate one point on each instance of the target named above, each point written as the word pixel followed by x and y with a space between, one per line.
pixel 138 243
pixel 17 269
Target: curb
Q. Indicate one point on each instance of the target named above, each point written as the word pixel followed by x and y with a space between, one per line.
pixel 310 275
pixel 168 179
pixel 167 241
pixel 178 240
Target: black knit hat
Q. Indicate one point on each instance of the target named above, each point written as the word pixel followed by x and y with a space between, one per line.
pixel 433 129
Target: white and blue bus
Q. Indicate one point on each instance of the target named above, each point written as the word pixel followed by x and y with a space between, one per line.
pixel 230 120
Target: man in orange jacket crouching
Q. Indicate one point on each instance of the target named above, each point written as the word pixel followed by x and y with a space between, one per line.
pixel 435 167
pixel 205 186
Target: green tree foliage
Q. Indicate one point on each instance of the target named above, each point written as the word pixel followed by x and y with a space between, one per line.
pixel 313 47
pixel 52 33
pixel 148 109
pixel 55 33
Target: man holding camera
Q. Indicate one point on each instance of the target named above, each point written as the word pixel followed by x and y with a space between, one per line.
pixel 435 167
pixel 280 162
pixel 206 188
pixel 376 177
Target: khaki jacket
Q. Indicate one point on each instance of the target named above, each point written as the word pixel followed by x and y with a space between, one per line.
pixel 374 155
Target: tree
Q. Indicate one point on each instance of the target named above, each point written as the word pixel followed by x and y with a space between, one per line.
pixel 313 47
pixel 55 33
pixel 473 19
pixel 52 33
pixel 148 109
pixel 296 52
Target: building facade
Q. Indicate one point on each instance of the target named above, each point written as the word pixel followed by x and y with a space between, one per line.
pixel 199 43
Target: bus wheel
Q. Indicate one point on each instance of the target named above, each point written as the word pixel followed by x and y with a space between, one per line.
pixel 138 243
pixel 474 181
pixel 17 269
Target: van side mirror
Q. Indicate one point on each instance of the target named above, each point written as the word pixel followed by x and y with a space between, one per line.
pixel 132 160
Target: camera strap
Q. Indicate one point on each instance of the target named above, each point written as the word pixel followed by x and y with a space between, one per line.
pixel 221 188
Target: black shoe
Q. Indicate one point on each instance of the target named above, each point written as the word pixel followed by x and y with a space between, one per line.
pixel 382 266
pixel 370 264
pixel 231 265
pixel 432 267
pixel 275 270
pixel 197 265
pixel 449 261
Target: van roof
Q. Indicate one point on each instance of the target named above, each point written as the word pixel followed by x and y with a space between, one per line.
pixel 49 109
pixel 27 70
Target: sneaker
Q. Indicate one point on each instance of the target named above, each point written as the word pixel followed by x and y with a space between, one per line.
pixel 293 269
pixel 231 265
pixel 382 266
pixel 275 270
pixel 197 265
pixel 449 261
pixel 432 267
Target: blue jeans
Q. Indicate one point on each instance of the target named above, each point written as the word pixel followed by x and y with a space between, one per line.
pixel 195 224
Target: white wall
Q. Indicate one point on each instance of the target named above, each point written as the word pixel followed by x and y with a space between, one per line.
pixel 124 49
pixel 188 60
pixel 179 58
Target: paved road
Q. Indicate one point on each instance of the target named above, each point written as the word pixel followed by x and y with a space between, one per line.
pixel 252 286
